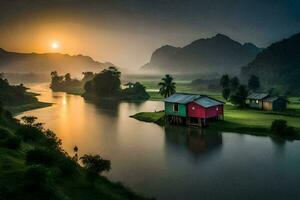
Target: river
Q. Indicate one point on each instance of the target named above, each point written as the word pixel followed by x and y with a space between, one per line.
pixel 174 162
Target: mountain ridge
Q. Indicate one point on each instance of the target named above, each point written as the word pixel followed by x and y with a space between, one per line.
pixel 219 53
pixel 277 64
pixel 47 62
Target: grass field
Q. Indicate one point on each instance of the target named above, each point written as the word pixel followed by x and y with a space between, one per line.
pixel 248 121
pixel 181 86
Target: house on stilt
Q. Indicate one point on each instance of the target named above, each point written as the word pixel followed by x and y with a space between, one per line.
pixel 192 109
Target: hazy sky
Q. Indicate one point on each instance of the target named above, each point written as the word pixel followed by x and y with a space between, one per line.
pixel 126 32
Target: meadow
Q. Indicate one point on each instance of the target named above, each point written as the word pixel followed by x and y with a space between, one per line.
pixel 249 121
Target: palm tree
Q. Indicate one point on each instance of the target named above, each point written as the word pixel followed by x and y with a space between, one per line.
pixel 167 86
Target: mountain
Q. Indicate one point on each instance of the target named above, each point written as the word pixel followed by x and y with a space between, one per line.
pixel 45 63
pixel 217 54
pixel 278 64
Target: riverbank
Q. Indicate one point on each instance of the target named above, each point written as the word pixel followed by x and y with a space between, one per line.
pixel 57 176
pixel 15 110
pixel 245 121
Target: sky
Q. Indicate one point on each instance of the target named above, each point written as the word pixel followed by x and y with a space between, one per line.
pixel 126 32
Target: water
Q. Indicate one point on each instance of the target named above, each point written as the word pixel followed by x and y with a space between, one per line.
pixel 174 162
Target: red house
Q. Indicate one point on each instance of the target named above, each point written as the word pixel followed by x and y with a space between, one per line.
pixel 192 109
pixel 204 109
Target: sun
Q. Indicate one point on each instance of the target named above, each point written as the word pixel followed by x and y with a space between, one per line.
pixel 54 45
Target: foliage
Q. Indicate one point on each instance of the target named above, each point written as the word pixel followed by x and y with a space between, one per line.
pixel 226 93
pixel 234 83
pixel 95 165
pixel 67 166
pixel 14 94
pixel 41 156
pixel 38 183
pixel 135 91
pixel 61 83
pixel 253 83
pixel 167 86
pixel 225 81
pixel 28 133
pixel 4 134
pixel 239 97
pixel 87 76
pixel 280 127
pixel 105 84
pixel 11 142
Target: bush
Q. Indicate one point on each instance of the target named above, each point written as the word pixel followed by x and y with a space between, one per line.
pixel 38 183
pixel 4 134
pixel 67 166
pixel 11 142
pixel 280 127
pixel 29 133
pixel 41 156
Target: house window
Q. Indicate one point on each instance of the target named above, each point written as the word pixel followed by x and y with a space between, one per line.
pixel 175 107
pixel 256 101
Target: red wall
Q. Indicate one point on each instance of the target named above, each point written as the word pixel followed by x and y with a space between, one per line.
pixel 201 112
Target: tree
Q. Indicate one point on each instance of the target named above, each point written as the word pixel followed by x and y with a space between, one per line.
pixel 87 76
pixel 234 83
pixel 253 83
pixel 95 165
pixel 105 84
pixel 226 93
pixel 29 120
pixel 68 78
pixel 167 86
pixel 239 97
pixel 225 81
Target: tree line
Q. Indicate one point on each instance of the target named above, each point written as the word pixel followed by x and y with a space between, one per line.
pixel 235 92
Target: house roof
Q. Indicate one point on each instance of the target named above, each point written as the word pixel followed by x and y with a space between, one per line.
pixel 275 98
pixel 201 100
pixel 207 102
pixel 181 98
pixel 258 96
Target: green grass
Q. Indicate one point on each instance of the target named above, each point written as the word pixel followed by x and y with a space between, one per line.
pixel 181 86
pixel 154 117
pixel 248 121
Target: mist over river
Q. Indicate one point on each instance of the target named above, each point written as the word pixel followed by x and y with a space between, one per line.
pixel 172 162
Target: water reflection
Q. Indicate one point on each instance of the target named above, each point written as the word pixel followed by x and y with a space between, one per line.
pixel 197 141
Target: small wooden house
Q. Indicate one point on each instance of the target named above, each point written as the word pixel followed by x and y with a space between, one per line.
pixel 264 101
pixel 275 104
pixel 191 109
pixel 255 100
pixel 204 108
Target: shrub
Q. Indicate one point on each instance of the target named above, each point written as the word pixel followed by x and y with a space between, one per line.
pixel 280 127
pixel 29 133
pixel 41 156
pixel 67 166
pixel 4 134
pixel 38 183
pixel 12 142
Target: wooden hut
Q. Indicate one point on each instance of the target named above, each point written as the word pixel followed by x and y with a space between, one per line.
pixel 264 101
pixel 191 109
pixel 275 104
pixel 255 100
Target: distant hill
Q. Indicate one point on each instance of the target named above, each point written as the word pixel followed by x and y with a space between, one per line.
pixel 279 64
pixel 47 62
pixel 217 54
